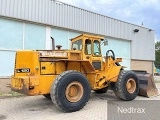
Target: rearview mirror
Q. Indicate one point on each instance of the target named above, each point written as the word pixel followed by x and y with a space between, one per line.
pixel 105 42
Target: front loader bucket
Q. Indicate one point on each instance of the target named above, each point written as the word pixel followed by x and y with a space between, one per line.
pixel 147 87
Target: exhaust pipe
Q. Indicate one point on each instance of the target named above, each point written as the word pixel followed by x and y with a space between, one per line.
pixel 53 43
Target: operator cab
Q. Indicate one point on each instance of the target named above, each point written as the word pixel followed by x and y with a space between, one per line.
pixel 90 47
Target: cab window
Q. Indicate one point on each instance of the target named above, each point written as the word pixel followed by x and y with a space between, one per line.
pixel 77 45
pixel 88 47
pixel 96 48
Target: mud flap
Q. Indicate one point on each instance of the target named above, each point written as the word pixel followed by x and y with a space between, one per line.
pixel 147 87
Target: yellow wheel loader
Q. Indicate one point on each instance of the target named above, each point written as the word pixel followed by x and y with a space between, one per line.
pixel 68 76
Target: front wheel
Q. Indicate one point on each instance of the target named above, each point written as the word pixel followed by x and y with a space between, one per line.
pixel 127 85
pixel 70 91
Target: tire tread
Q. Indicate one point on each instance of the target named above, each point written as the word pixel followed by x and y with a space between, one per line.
pixel 119 88
pixel 55 84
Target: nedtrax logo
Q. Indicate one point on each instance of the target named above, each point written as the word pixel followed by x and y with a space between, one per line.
pixel 130 110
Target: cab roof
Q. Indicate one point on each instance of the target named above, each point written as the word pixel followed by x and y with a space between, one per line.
pixel 87 35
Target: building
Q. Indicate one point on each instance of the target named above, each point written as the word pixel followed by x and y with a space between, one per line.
pixel 28 24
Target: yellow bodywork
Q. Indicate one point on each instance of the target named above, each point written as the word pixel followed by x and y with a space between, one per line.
pixel 36 70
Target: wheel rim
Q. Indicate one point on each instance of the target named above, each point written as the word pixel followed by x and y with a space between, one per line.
pixel 74 91
pixel 131 85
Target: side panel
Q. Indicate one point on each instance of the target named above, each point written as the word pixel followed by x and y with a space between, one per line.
pixel 52 68
pixel 44 87
pixel 37 84
pixel 74 66
pixel 27 60
pixel 47 68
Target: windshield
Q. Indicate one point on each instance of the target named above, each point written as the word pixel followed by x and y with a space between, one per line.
pixel 77 45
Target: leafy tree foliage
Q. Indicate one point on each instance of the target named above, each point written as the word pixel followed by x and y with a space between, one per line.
pixel 157 45
pixel 157 52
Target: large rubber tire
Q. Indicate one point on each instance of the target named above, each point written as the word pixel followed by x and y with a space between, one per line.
pixel 120 87
pixel 47 96
pixel 100 91
pixel 59 90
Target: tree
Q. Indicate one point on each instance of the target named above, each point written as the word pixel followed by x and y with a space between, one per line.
pixel 157 51
pixel 157 45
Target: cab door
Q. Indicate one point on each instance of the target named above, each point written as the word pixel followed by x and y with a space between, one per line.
pixel 92 52
pixel 96 55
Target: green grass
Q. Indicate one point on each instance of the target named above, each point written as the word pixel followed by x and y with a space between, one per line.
pixel 10 94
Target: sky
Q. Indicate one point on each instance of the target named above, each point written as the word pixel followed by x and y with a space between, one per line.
pixel 139 12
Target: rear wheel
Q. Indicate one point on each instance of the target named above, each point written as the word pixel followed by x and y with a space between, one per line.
pixel 74 91
pixel 70 91
pixel 127 86
pixel 103 90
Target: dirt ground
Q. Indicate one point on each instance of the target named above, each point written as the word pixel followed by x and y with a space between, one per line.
pixel 4 85
pixel 5 90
